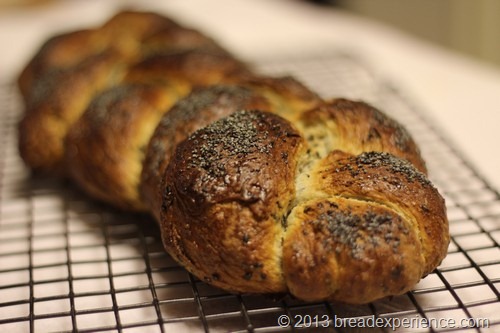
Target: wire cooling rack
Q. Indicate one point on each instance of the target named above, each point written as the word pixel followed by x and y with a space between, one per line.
pixel 68 263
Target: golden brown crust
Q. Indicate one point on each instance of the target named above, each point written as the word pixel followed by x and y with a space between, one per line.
pixel 59 52
pixel 258 184
pixel 54 107
pixel 69 70
pixel 225 192
pixel 187 68
pixel 352 228
pixel 359 127
pixel 177 40
pixel 392 221
pixel 136 26
pixel 384 179
pixel 200 108
pixel 349 250
pixel 122 35
pixel 107 168
pixel 131 112
pixel 288 97
pixel 283 96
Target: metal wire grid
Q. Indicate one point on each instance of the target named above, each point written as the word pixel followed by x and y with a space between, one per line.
pixel 68 263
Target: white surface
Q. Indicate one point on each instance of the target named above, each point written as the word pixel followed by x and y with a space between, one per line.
pixel 462 96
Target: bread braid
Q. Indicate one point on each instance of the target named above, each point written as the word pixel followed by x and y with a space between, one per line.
pixel 258 184
pixel 70 69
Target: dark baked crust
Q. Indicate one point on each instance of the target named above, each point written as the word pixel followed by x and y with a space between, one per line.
pixel 70 69
pixel 259 185
pixel 283 96
pixel 54 106
pixel 368 225
pixel 345 227
pixel 111 169
pixel 199 109
pixel 225 193
pixel 106 146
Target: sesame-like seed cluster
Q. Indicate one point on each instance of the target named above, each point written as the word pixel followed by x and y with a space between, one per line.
pixel 394 164
pixel 188 108
pixel 347 228
pixel 234 136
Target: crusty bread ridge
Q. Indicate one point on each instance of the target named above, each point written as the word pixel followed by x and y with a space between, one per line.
pixel 258 184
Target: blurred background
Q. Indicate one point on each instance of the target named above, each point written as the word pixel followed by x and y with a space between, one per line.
pixel 470 27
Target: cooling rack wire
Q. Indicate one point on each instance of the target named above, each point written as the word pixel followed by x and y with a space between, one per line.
pixel 68 263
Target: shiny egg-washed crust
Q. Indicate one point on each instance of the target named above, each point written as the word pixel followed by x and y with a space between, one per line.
pixel 284 96
pixel 131 111
pixel 104 166
pixel 122 34
pixel 257 183
pixel 70 69
pixel 54 106
pixel 358 127
pixel 199 109
pixel 226 189
pixel 254 204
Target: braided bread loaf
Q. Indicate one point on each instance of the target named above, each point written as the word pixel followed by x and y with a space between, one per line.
pixel 258 184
